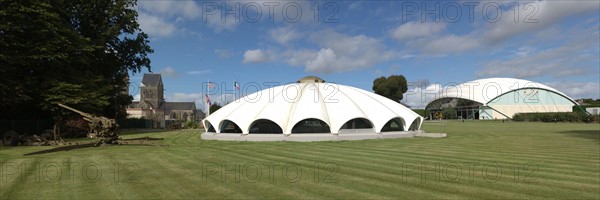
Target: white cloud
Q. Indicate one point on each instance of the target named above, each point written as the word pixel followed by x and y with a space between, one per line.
pixel 411 30
pixel 187 9
pixel 355 5
pixel 286 11
pixel 325 59
pixel 155 26
pixel 539 21
pixel 299 57
pixel 136 97
pixel 567 60
pixel 538 16
pixel 577 90
pixel 168 72
pixel 219 23
pixel 340 52
pixel 428 38
pixel 524 51
pixel 178 11
pixel 185 97
pixel 419 95
pixel 284 35
pixel 451 44
pixel 199 72
pixel 199 99
pixel 336 52
pixel 223 53
pixel 255 56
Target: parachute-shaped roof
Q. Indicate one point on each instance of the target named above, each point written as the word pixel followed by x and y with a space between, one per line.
pixel 312 98
pixel 485 90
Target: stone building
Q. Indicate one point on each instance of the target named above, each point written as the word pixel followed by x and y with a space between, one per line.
pixel 152 105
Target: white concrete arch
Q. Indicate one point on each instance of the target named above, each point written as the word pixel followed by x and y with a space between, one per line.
pixel 312 98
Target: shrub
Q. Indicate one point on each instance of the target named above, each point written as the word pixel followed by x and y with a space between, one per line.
pixel 191 125
pixel 555 117
pixel 518 117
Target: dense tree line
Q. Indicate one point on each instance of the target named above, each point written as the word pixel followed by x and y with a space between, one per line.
pixel 75 52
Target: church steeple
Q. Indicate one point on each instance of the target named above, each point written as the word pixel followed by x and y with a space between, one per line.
pixel 151 91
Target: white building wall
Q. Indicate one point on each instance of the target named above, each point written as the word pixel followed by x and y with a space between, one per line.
pixel 134 113
pixel 593 111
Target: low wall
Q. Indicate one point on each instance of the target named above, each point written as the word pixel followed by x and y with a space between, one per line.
pixel 308 137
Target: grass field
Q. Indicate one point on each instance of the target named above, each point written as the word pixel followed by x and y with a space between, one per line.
pixel 491 160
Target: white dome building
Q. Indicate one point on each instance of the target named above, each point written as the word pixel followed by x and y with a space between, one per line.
pixel 500 98
pixel 326 111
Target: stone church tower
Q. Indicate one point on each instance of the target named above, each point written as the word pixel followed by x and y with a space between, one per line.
pixel 151 92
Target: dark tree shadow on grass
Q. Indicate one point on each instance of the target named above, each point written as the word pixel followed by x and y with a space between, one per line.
pixel 587 134
pixel 142 141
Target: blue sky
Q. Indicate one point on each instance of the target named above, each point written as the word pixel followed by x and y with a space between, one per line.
pixel 353 42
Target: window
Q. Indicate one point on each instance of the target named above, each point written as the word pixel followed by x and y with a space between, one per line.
pixel 357 125
pixel 265 126
pixel 311 126
pixel 415 125
pixel 209 127
pixel 395 124
pixel 230 127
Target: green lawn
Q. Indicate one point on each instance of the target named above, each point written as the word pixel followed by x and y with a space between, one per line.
pixel 492 160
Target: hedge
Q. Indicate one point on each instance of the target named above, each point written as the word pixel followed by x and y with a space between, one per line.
pixel 556 117
pixel 421 112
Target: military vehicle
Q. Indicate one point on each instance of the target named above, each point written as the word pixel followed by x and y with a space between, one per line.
pixel 27 132
pixel 46 132
pixel 105 129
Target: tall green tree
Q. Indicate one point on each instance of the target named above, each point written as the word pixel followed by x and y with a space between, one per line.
pixel 392 87
pixel 214 107
pixel 75 52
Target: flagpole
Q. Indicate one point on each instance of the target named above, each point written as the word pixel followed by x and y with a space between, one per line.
pixel 206 100
pixel 234 92
pixel 236 88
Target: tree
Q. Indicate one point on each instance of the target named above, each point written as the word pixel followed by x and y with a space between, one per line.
pixel 465 102
pixel 392 87
pixel 449 113
pixel 74 52
pixel 214 107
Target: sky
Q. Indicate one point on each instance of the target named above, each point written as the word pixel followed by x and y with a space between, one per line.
pixel 260 44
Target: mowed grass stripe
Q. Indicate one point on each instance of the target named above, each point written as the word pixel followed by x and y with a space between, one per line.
pixel 307 163
pixel 257 187
pixel 384 177
pixel 164 173
pixel 504 166
pixel 307 181
pixel 188 182
pixel 516 151
pixel 567 155
pixel 412 158
pixel 482 156
pixel 344 151
pixel 371 167
pixel 420 158
pixel 579 154
pixel 468 154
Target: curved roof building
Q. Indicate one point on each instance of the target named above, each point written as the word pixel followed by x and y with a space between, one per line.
pixel 312 106
pixel 501 98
